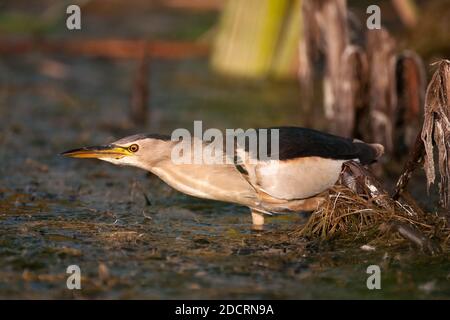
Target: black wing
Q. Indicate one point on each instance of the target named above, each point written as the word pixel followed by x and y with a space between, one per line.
pixel 296 142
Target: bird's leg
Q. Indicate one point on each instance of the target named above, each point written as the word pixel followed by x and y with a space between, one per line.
pixel 258 220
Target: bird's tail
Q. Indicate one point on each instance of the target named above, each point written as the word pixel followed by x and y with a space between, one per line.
pixel 378 148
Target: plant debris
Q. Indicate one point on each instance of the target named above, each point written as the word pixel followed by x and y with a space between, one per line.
pixel 371 215
pixel 436 129
pixel 358 206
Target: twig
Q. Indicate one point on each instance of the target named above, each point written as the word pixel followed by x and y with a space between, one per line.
pixel 414 161
pixel 106 48
pixel 140 91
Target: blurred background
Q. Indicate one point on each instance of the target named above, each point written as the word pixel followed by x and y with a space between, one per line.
pixel 198 51
pixel 154 66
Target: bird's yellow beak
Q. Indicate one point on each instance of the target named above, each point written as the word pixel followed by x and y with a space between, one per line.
pixel 98 152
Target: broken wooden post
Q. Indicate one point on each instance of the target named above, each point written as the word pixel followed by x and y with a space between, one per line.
pixel 324 29
pixel 380 51
pixel 308 50
pixel 410 86
pixel 351 91
pixel 352 75
pixel 332 20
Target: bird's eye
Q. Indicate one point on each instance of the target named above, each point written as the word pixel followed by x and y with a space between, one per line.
pixel 133 148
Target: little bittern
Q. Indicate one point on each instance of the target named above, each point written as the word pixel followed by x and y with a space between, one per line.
pixel 304 166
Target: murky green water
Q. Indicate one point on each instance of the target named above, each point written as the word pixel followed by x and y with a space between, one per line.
pixel 55 212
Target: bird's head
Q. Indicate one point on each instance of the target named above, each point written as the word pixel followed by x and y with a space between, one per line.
pixel 138 150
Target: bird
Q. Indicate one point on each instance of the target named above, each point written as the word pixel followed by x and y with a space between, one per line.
pixel 295 178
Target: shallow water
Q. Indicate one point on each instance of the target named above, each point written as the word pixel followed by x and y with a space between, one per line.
pixel 55 212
